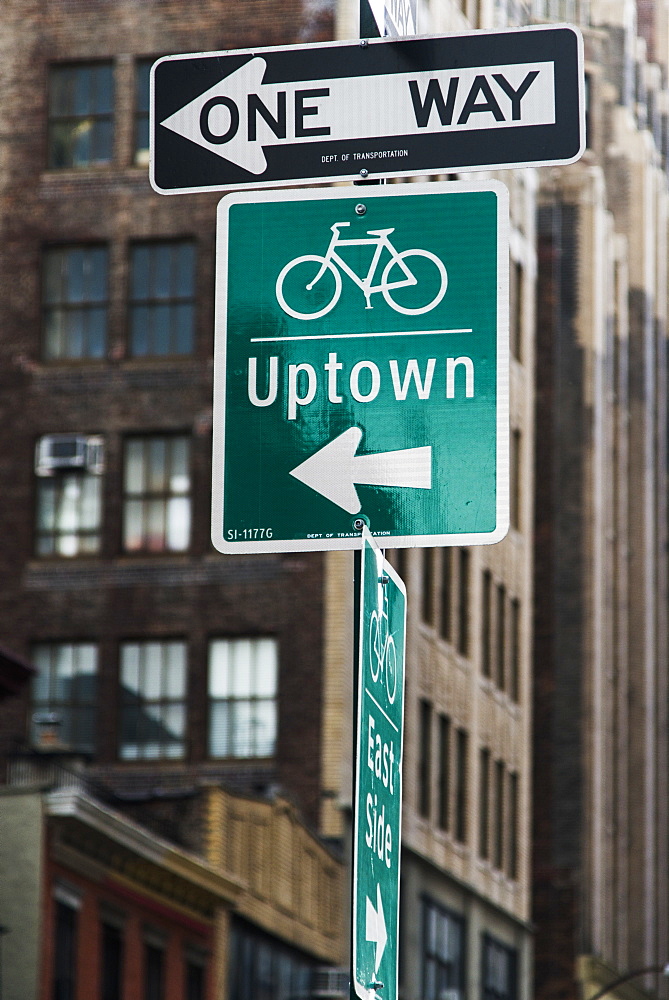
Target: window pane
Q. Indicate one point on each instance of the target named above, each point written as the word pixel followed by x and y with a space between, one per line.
pixel 75 295
pixel 153 721
pixel 81 101
pixel 163 283
pixel 242 688
pixel 66 687
pixel 157 476
pixel 219 670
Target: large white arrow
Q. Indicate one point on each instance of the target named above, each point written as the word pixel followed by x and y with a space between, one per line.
pixel 334 469
pixel 375 927
pixel 240 114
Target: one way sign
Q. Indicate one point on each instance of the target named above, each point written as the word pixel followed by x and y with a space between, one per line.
pixel 330 112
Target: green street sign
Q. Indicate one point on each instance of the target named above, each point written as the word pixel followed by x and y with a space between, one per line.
pixel 361 367
pixel 378 778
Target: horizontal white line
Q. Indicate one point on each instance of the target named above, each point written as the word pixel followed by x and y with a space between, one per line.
pixel 349 336
pixel 370 695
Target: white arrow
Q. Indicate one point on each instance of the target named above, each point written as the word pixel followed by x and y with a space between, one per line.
pixel 333 470
pixel 240 114
pixel 375 927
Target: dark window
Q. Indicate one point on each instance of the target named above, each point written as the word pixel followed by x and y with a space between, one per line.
pixel 515 479
pixel 446 593
pixel 486 617
pixel 195 980
pixel 243 679
pixel 501 637
pixel 142 79
pixel 516 308
pixel 153 700
pixel 463 603
pixel 81 99
pixel 424 760
pixel 500 970
pixel 514 652
pixel 74 298
pixel 444 771
pixel 498 845
pixel 461 785
pixel 484 803
pixel 66 688
pixel 112 962
pixel 162 298
pixel 261 968
pixel 513 826
pixel 443 953
pixel 428 586
pixel 157 500
pixel 154 972
pixel 65 960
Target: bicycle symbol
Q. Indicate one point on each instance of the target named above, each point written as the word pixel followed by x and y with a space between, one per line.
pixel 334 264
pixel 382 652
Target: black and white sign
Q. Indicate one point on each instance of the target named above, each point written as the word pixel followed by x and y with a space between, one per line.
pixel 400 107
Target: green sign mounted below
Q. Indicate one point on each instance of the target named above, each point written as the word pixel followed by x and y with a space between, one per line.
pixel 378 778
pixel 361 367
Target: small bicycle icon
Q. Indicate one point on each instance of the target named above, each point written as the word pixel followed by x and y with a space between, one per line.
pixel 313 267
pixel 382 652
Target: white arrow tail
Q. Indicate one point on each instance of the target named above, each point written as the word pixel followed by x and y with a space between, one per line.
pixel 375 927
pixel 335 469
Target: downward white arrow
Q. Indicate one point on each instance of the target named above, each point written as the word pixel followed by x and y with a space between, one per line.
pixel 333 470
pixel 239 115
pixel 375 927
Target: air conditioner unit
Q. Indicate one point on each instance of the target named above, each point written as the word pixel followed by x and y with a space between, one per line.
pixel 69 451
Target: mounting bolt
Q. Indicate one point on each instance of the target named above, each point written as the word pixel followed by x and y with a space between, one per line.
pixel 360 209
pixel 358 524
pixel 364 172
pixel 384 580
pixel 375 986
pixel 363 43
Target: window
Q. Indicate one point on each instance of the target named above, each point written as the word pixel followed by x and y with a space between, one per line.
pixel 81 101
pixel 74 296
pixel 65 960
pixel 500 970
pixel 195 977
pixel 501 637
pixel 66 685
pixel 424 759
pixel 68 504
pixel 156 501
pixel 243 676
pixel 428 585
pixel 112 961
pixel 516 308
pixel 484 803
pixel 162 298
pixel 153 700
pixel 142 78
pixel 262 968
pixel 498 845
pixel 461 785
pixel 154 972
pixel 444 773
pixel 486 616
pixel 443 953
pixel 514 654
pixel 446 570
pixel 512 868
pixel 515 479
pixel 463 603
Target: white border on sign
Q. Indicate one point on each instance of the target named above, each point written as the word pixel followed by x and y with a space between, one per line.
pixel 220 347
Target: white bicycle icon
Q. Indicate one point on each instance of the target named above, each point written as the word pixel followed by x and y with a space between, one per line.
pixel 333 263
pixel 382 651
